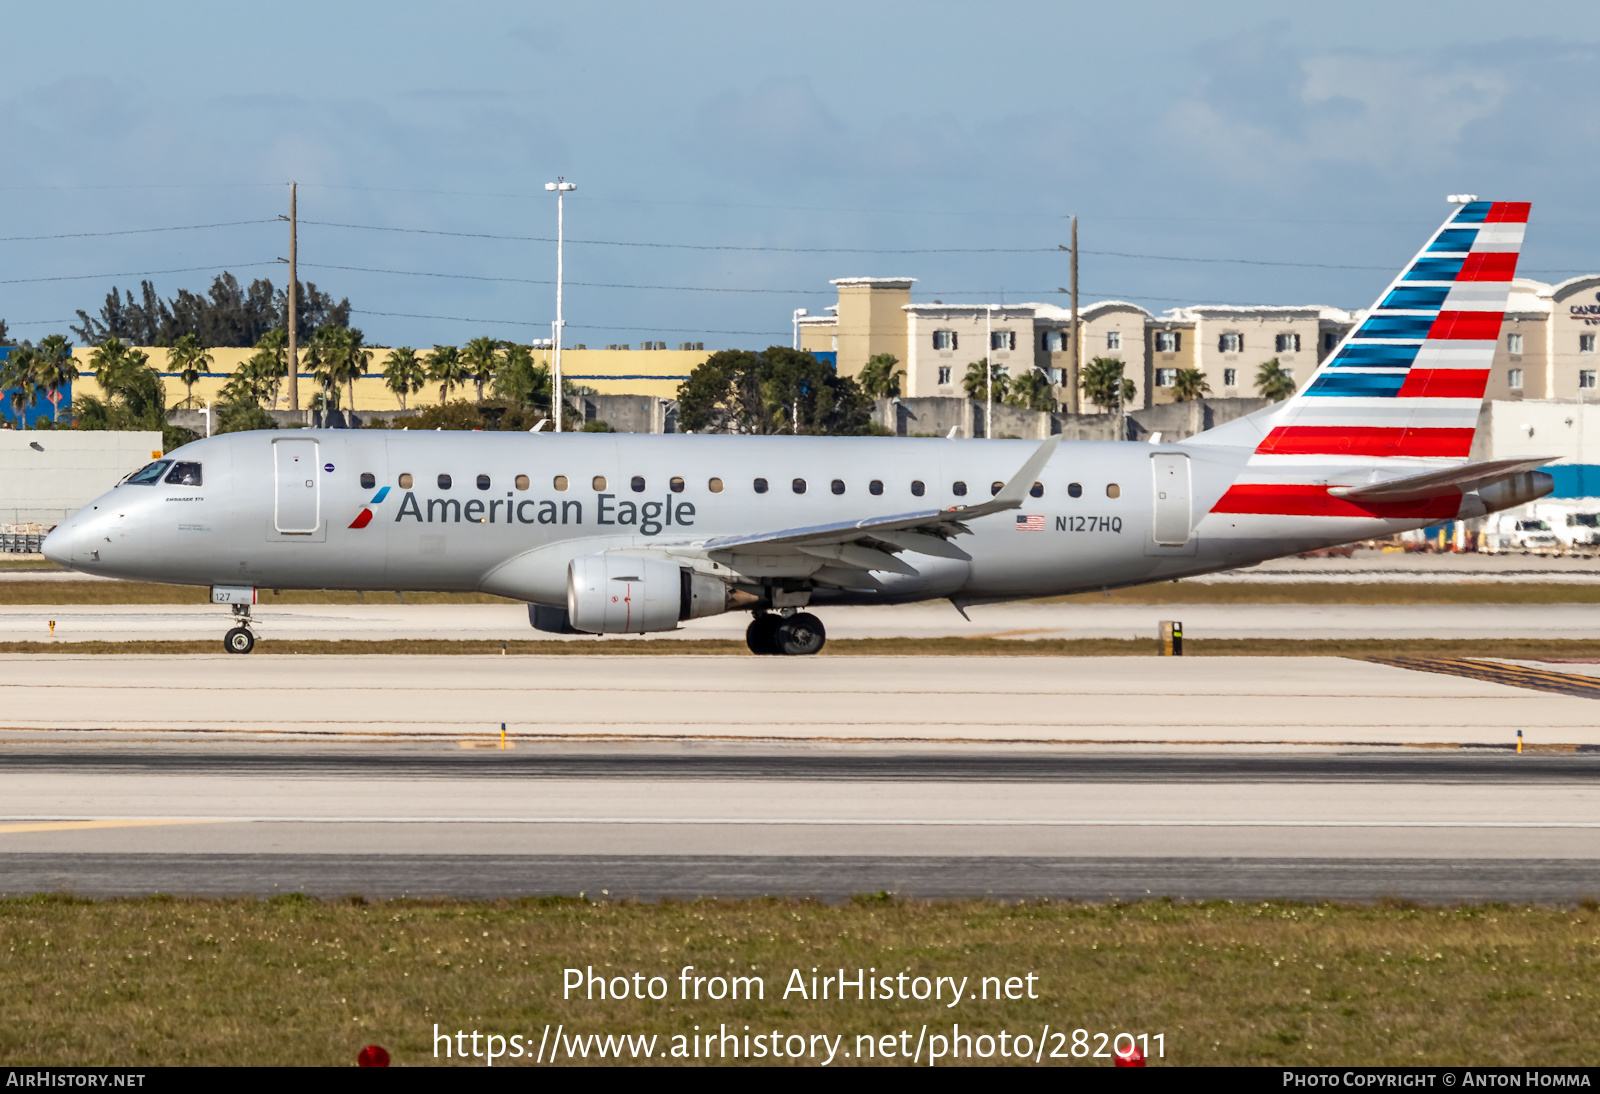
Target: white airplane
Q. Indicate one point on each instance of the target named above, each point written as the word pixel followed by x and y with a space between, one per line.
pixel 615 533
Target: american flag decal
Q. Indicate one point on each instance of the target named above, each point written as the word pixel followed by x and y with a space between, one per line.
pixel 1032 523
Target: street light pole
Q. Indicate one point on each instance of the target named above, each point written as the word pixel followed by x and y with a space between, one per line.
pixel 561 186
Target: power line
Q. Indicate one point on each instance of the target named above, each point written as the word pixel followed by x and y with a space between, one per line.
pixel 575 326
pixel 534 281
pixel 141 231
pixel 137 273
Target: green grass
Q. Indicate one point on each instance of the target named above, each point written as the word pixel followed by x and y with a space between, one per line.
pixel 859 647
pixel 296 981
pixel 55 593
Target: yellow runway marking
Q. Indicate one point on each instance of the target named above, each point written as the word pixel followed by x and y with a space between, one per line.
pixel 1493 672
pixel 107 822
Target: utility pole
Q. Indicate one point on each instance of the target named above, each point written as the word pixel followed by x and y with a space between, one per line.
pixel 988 368
pixel 1073 361
pixel 294 284
pixel 560 186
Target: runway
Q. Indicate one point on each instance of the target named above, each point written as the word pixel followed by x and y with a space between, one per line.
pixel 1235 778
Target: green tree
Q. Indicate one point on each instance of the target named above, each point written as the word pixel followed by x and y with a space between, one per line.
pixel 239 416
pixel 1103 384
pixel 480 356
pixel 1274 381
pixel 54 370
pixel 134 395
pixel 880 376
pixel 521 381
pixel 188 358
pixel 403 373
pixel 780 390
pixel 977 384
pixel 19 376
pixel 1190 384
pixel 446 369
pixel 1032 391
pixel 338 357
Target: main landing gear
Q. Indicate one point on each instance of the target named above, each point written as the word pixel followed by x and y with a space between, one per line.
pixel 240 639
pixel 795 635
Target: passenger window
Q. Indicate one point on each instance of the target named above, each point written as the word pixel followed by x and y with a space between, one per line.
pixel 368 480
pixel 1113 491
pixel 184 474
pixel 875 487
pixel 959 489
pixel 1036 490
pixel 838 486
pixel 917 488
pixel 1074 490
pixel 761 486
pixel 405 480
pixel 149 473
pixel 522 482
pixel 637 484
pixel 444 482
pixel 994 488
pixel 599 482
pixel 483 482
pixel 560 482
pixel 799 486
pixel 675 484
pixel 715 486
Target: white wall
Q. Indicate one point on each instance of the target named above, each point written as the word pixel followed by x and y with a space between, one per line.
pixel 48 474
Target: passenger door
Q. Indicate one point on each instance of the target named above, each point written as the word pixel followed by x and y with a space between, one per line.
pixel 297 502
pixel 1173 520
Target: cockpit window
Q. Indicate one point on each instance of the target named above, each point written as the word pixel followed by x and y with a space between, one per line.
pixel 184 474
pixel 150 473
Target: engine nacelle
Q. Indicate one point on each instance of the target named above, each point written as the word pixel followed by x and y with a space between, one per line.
pixel 634 594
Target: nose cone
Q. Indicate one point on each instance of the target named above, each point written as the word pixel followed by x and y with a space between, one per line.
pixel 58 545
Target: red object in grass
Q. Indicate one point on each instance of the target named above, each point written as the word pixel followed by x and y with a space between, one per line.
pixel 1134 1058
pixel 378 1056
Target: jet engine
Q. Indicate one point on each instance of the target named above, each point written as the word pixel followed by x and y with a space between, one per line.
pixel 633 594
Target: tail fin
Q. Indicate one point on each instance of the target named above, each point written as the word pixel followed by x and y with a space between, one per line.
pixel 1408 383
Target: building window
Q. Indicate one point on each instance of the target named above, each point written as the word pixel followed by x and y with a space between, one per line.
pixel 1053 342
pixel 1514 345
pixel 944 374
pixel 1168 341
pixel 1230 377
pixel 1288 374
pixel 1056 375
pixel 1286 343
pixel 1329 340
pixel 944 339
pixel 1232 342
pixel 1166 377
pixel 1585 343
pixel 1514 379
pixel 1113 339
pixel 1586 378
pixel 1002 339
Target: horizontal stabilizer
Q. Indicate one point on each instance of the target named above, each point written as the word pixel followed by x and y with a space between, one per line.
pixel 1464 478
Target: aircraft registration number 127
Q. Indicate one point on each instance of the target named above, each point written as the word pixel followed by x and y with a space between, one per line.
pixel 1089 524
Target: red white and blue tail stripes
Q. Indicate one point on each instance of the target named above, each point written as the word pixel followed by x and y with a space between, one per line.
pixel 1407 384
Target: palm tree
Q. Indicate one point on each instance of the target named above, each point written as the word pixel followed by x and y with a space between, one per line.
pixel 265 369
pixel 20 377
pixel 403 373
pixel 357 358
pixel 479 356
pixel 1104 385
pixel 979 376
pixel 1189 384
pixel 1032 391
pixel 322 360
pixel 55 369
pixel 111 359
pixel 517 379
pixel 188 358
pixel 880 376
pixel 446 369
pixel 1274 381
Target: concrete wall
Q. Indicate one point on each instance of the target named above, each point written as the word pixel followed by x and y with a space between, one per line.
pixel 629 413
pixel 1174 421
pixel 46 475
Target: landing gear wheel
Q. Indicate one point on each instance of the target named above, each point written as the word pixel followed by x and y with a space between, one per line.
pixel 761 634
pixel 800 635
pixel 239 640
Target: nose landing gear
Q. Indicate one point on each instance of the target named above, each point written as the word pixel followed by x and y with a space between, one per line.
pixel 240 639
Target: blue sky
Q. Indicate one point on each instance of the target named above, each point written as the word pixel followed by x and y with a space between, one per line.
pixel 836 130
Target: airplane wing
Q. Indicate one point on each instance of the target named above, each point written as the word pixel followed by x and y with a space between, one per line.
pixel 1467 477
pixel 849 550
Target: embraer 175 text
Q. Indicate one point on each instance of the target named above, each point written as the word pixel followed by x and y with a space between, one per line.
pixel 611 534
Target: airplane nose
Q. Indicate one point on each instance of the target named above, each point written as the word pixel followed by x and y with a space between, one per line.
pixel 57 546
